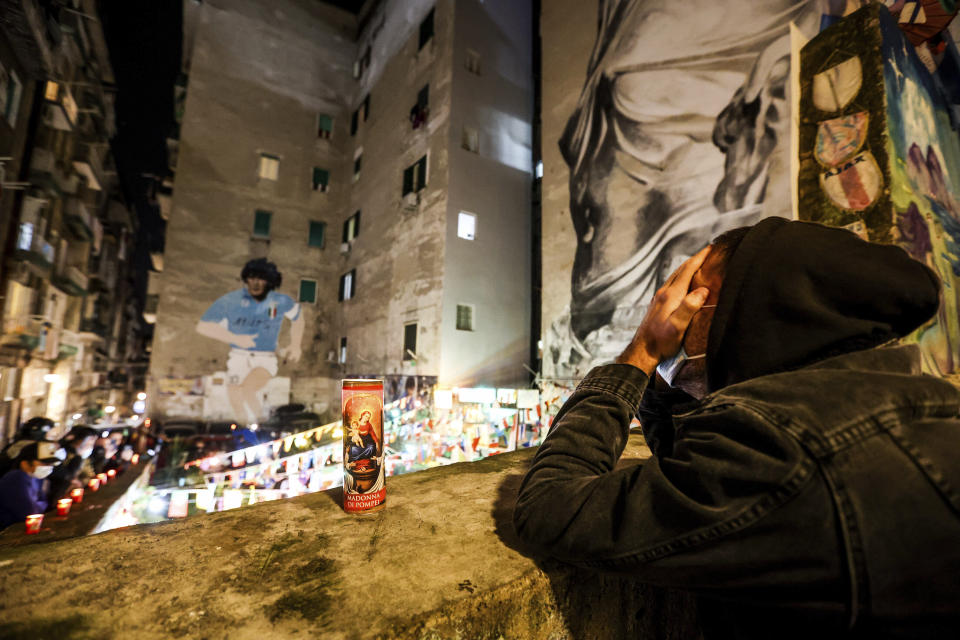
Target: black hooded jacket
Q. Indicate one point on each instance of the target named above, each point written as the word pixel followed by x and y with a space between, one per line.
pixel 817 485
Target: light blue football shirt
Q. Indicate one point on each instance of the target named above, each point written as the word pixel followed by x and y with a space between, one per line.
pixel 245 316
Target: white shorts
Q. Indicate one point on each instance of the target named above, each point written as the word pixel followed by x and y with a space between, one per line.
pixel 241 362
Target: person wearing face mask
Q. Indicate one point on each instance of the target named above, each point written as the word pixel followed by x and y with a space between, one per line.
pixel 805 474
pixel 21 488
pixel 78 445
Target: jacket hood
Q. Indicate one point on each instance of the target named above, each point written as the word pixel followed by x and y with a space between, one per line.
pixel 795 293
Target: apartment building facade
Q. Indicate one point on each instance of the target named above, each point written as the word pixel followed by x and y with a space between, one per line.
pixel 66 235
pixel 382 161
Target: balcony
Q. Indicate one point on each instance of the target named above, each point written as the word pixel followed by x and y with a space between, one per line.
pixel 34 250
pixel 47 174
pixel 71 281
pixel 78 218
pixel 60 109
pixel 22 331
pixel 88 164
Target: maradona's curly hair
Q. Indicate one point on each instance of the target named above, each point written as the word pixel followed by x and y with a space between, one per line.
pixel 262 268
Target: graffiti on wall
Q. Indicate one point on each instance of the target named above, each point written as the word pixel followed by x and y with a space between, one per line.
pixel 878 150
pixel 249 320
pixel 681 131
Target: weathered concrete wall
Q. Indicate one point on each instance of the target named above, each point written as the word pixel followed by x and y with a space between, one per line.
pixel 440 561
pixel 674 121
pixel 259 77
pixel 491 272
pixel 399 252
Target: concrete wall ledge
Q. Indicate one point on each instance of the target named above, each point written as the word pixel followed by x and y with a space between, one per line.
pixel 440 561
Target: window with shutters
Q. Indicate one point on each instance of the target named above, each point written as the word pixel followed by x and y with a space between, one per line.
pixel 343 350
pixel 308 291
pixel 269 166
pixel 348 284
pixel 464 317
pixel 324 126
pixel 261 223
pixel 351 227
pixel 415 176
pixel 317 232
pixel 421 110
pixel 321 179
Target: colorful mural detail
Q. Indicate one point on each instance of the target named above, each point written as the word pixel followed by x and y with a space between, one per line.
pixel 854 184
pixel 249 319
pixel 841 138
pixel 834 88
pixel 903 182
pixel 681 132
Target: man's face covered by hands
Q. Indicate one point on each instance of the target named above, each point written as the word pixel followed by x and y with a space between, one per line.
pixel 692 376
pixel 680 315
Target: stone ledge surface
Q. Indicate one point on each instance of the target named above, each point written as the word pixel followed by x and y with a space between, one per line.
pixel 440 561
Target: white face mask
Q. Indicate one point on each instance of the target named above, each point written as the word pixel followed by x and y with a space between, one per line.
pixel 669 368
pixel 85 452
pixel 42 471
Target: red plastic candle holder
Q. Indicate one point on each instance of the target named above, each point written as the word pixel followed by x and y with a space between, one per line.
pixel 94 484
pixel 112 473
pixel 63 506
pixel 77 495
pixel 33 522
pixel 102 477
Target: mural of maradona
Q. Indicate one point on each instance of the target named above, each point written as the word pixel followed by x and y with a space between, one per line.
pixel 681 132
pixel 249 319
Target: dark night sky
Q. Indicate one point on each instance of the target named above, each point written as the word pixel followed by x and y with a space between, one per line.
pixel 144 39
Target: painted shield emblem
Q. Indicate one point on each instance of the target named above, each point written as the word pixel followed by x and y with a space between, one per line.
pixel 855 184
pixel 834 88
pixel 840 139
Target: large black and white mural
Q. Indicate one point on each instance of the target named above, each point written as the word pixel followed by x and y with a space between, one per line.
pixel 681 131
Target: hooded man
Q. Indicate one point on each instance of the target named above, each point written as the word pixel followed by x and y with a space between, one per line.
pixel 21 488
pixel 804 472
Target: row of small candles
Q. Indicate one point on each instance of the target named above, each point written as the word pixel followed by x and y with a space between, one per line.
pixel 76 495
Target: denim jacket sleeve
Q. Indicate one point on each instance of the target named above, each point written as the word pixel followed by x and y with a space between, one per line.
pixel 661 520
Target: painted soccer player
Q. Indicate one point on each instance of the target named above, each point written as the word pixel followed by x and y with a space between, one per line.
pixel 249 320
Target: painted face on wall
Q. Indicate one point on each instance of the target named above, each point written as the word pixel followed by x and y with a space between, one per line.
pixel 256 287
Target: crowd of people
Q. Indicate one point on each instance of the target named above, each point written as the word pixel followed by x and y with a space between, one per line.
pixel 36 471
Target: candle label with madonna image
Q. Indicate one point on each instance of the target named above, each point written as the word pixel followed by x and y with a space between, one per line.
pixel 364 477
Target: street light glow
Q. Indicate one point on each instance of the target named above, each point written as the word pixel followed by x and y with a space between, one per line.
pixel 109 409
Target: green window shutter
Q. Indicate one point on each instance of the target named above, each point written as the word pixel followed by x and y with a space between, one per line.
pixel 464 317
pixel 261 224
pixel 321 178
pixel 316 234
pixel 408 180
pixel 421 173
pixel 308 291
pixel 324 125
pixel 426 29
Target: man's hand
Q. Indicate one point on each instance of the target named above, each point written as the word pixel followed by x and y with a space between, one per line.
pixel 661 332
pixel 290 353
pixel 244 341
